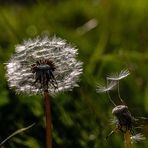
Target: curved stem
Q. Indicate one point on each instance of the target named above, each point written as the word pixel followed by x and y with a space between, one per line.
pixel 111 99
pixel 127 138
pixel 119 93
pixel 110 96
pixel 47 108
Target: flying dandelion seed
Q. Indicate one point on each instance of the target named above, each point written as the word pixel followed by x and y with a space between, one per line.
pixel 112 81
pixel 43 63
pixel 105 88
pixel 44 66
pixel 118 76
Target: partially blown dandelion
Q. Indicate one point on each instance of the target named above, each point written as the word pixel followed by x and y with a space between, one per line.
pixel 46 66
pixel 124 120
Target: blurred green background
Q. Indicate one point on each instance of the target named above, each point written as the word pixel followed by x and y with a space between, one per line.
pixel 111 35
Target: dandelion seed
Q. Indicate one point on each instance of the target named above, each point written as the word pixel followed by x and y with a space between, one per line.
pixel 138 137
pixel 105 88
pixel 118 76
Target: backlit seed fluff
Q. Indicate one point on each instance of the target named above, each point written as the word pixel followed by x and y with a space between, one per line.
pixel 104 88
pixel 118 76
pixel 43 61
pixel 138 137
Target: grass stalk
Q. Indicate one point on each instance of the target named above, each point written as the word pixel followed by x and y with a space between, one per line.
pixel 15 133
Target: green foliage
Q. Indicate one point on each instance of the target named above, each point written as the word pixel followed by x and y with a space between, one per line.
pixel 116 38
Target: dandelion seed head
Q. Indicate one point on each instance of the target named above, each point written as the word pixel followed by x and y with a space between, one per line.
pixel 118 76
pixel 38 57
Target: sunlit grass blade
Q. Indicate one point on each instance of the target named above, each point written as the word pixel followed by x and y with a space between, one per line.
pixel 15 133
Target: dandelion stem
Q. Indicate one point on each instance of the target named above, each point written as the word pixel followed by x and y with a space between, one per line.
pixel 127 138
pixel 47 107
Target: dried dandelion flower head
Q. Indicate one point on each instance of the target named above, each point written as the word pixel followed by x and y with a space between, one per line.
pixel 43 64
pixel 124 121
pixel 123 117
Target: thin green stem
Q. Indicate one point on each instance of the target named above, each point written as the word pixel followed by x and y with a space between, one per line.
pixel 47 107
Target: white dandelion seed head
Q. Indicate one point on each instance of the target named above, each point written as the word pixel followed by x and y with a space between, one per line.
pixel 63 55
pixel 104 88
pixel 118 76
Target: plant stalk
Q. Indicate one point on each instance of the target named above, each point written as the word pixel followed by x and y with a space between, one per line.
pixel 47 109
pixel 127 138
